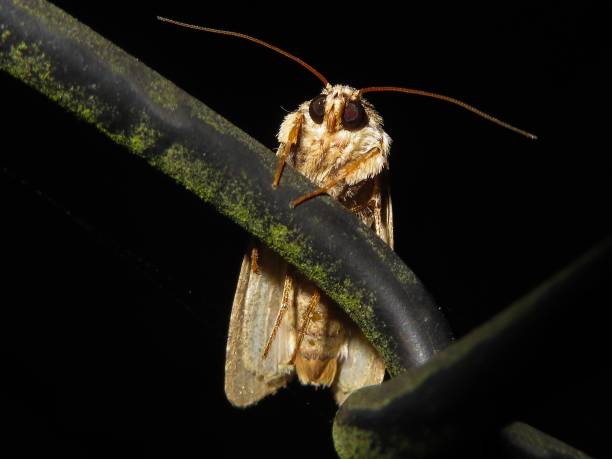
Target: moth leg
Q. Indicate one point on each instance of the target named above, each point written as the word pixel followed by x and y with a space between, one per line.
pixel 342 174
pixel 255 260
pixel 377 201
pixel 286 147
pixel 314 301
pixel 287 288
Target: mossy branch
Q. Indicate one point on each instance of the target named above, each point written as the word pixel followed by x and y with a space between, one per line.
pixel 468 394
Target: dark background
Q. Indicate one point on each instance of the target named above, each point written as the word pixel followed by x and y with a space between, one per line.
pixel 118 284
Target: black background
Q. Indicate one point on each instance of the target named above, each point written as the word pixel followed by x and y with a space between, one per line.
pixel 117 283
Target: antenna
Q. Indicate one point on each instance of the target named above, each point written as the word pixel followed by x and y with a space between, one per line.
pixel 452 100
pixel 312 70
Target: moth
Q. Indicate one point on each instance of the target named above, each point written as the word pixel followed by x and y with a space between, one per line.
pixel 281 324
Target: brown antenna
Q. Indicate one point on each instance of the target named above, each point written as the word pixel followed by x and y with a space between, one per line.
pixel 452 100
pixel 316 73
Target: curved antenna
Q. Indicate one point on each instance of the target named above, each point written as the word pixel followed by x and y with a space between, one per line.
pixel 452 100
pixel 316 73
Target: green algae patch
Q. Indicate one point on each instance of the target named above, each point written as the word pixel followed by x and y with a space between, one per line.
pixel 139 138
pixel 143 137
pixel 28 63
pixel 210 184
pixel 60 22
pixel 164 94
pixel 358 304
pixel 212 119
pixel 283 239
pixel 196 176
pixel 354 443
pixel 401 271
pixel 202 112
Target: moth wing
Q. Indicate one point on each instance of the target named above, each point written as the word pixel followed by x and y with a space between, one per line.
pixel 362 365
pixel 249 377
pixel 383 210
pixel 387 210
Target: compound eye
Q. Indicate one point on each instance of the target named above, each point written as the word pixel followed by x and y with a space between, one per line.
pixel 317 108
pixel 354 116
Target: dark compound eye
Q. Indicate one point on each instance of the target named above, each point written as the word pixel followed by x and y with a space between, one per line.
pixel 354 116
pixel 317 108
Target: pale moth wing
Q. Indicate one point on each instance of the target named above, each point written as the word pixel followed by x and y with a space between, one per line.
pixel 249 377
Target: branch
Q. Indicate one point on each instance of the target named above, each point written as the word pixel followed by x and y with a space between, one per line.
pixel 468 393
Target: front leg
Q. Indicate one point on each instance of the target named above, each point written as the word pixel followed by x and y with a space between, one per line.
pixel 287 143
pixel 361 168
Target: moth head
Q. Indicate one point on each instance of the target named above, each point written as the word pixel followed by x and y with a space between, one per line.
pixel 339 107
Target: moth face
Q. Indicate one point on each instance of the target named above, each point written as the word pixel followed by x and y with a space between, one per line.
pixel 338 107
